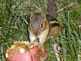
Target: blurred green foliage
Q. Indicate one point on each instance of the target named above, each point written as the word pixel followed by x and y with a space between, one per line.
pixel 14 19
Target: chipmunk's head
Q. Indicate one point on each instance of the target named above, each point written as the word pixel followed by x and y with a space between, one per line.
pixel 36 20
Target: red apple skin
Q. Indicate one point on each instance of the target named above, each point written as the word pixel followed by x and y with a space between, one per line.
pixel 30 55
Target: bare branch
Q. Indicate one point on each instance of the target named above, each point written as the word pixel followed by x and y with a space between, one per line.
pixel 68 6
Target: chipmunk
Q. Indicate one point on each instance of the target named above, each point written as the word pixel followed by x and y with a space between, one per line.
pixel 38 27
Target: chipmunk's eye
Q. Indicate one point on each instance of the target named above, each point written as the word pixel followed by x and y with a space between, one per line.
pixel 42 25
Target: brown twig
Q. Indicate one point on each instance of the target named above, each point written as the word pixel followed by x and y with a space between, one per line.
pixel 68 6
